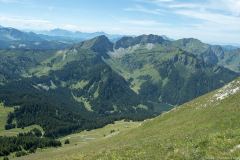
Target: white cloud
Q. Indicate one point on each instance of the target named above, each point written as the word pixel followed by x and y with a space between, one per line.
pixel 33 24
pixel 25 23
pixel 211 17
pixel 160 1
pixel 141 22
pixel 232 5
pixel 140 8
pixel 184 5
pixel 209 20
pixel 70 27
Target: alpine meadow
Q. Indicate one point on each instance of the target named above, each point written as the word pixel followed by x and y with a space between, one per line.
pixel 119 80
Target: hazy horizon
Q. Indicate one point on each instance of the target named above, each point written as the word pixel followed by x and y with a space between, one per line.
pixel 211 21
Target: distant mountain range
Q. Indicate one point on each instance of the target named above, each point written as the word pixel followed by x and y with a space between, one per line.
pixel 95 82
pixel 45 40
pixel 76 35
pixel 11 38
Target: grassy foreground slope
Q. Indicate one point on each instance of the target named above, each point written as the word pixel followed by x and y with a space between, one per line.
pixel 80 142
pixel 205 128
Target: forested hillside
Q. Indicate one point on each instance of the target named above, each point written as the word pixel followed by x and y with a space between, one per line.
pixel 96 82
pixel 204 128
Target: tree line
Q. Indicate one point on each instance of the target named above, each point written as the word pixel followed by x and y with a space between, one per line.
pixel 25 143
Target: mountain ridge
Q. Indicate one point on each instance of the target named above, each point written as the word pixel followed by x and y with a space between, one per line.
pixel 86 80
pixel 99 44
pixel 126 42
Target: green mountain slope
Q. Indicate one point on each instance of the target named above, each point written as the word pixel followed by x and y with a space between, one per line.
pixel 213 54
pixel 232 59
pixel 97 82
pixel 73 90
pixel 167 71
pixel 14 63
pixel 205 128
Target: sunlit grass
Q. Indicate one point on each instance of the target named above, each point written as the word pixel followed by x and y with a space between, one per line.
pixel 204 128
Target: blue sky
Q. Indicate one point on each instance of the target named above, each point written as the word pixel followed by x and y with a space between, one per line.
pixel 213 21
